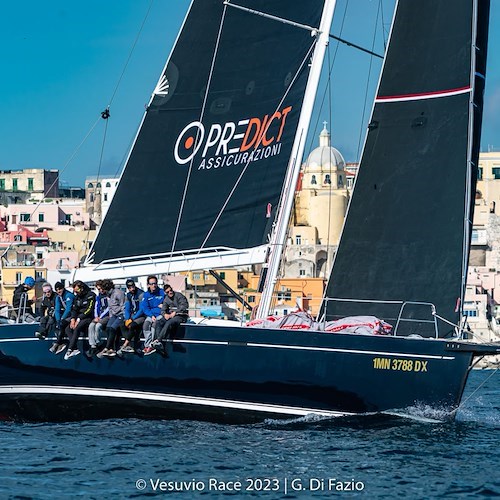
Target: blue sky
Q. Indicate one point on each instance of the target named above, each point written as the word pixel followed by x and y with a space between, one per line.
pixel 62 61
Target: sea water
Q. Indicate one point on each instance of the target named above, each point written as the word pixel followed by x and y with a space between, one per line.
pixel 375 456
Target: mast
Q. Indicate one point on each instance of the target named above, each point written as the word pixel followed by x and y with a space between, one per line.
pixel 278 237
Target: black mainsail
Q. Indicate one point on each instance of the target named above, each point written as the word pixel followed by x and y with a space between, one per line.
pixel 207 167
pixel 407 233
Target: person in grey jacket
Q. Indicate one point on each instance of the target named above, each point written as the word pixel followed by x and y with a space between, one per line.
pixel 116 305
pixel 174 311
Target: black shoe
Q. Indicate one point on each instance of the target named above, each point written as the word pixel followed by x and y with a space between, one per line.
pixel 91 352
pixel 158 345
pixel 40 336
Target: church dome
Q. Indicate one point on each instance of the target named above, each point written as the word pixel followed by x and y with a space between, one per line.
pixel 325 157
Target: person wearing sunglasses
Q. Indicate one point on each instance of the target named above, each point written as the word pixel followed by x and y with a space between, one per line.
pixel 47 308
pixel 151 306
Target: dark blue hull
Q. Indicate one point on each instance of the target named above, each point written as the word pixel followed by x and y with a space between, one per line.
pixel 232 374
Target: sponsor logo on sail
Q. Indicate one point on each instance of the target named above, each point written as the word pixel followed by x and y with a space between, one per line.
pixel 231 143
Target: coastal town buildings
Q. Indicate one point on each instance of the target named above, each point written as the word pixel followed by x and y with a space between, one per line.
pixel 482 299
pixel 47 237
pixel 28 184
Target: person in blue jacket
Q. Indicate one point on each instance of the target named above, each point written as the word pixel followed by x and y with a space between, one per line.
pixel 151 306
pixel 62 314
pixel 134 318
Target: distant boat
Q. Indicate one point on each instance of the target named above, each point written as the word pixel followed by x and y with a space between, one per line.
pixel 217 160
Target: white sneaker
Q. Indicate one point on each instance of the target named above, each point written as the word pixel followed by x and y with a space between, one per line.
pixel 70 353
pixel 60 348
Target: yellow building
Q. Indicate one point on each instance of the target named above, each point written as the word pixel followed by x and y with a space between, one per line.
pixel 290 293
pixel 14 273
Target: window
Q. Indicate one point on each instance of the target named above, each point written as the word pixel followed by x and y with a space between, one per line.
pixel 91 198
pixel 38 275
pixel 327 179
pixel 496 172
pixel 2 184
pixel 90 185
pixel 39 255
pixel 41 217
pixel 108 184
pixel 98 185
pixel 105 196
pixel 340 182
pixel 313 180
pixel 298 239
pixel 19 277
pixel 196 276
pixel 285 295
pixel 251 298
pixel 24 217
pixel 14 184
pixel 67 219
pixel 30 184
pixel 470 314
pixel 222 275
pixel 302 272
pixel 480 174
pixel 18 237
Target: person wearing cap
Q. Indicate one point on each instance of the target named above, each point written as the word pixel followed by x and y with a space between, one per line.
pixel 62 314
pixel 22 305
pixel 48 307
pixel 134 318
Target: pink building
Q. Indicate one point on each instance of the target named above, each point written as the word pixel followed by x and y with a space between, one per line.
pixel 61 215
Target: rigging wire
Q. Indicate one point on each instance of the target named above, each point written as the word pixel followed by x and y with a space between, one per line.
pixel 191 163
pixel 474 392
pixel 130 53
pixel 330 69
pixel 104 115
pixel 362 128
pixel 67 163
pixel 330 154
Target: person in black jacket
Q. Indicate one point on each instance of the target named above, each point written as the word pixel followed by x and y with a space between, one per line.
pixel 82 313
pixel 48 307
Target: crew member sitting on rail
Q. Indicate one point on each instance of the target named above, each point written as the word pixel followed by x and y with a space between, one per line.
pixel 174 311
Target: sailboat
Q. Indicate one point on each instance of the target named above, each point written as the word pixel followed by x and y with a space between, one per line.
pixel 216 160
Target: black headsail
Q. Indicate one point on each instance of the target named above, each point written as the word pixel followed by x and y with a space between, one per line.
pixel 208 163
pixel 407 233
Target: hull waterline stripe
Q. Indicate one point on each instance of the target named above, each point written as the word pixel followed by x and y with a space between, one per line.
pixel 427 95
pixel 167 398
pixel 291 347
